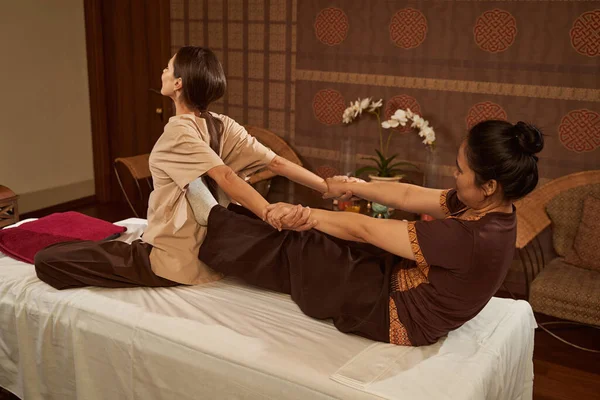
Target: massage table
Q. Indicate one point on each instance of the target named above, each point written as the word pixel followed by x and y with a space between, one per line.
pixel 227 340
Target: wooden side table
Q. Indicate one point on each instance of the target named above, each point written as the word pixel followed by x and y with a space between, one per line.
pixel 9 208
pixel 365 209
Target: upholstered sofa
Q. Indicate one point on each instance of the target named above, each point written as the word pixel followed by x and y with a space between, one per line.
pixel 565 284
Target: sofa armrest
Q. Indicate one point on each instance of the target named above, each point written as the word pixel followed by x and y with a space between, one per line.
pixel 535 255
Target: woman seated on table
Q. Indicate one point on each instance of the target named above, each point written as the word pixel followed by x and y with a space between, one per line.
pixel 195 142
pixel 407 283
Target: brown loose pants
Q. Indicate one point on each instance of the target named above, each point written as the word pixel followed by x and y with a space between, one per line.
pixel 327 277
pixel 113 264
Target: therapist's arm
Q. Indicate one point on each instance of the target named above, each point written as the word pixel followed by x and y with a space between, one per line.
pixel 296 173
pixel 243 193
pixel 238 190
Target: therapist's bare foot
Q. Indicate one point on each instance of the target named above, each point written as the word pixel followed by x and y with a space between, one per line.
pixel 201 200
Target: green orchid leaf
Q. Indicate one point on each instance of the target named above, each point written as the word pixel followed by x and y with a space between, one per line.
pixel 407 164
pixel 362 170
pixel 384 161
pixel 373 159
pixel 391 158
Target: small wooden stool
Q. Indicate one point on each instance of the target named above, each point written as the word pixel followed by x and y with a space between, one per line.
pixel 9 209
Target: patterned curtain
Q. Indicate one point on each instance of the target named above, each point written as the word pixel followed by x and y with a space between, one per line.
pixel 455 62
pixel 255 41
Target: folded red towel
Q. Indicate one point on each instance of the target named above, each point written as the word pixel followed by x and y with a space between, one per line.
pixel 23 241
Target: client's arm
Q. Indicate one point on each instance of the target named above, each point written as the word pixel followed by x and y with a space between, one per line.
pixel 387 234
pixel 403 196
pixel 390 235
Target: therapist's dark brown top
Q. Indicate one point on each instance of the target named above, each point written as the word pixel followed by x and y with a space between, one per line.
pixel 459 264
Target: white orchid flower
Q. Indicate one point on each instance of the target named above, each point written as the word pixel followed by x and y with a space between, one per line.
pixel 390 123
pixel 430 137
pixel 400 116
pixel 348 115
pixel 346 118
pixel 364 103
pixel 375 105
pixel 427 131
pixel 417 122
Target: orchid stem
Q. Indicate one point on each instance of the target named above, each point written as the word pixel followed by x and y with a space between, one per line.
pixel 380 134
pixel 387 145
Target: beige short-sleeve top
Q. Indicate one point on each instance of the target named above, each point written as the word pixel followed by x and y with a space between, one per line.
pixel 182 154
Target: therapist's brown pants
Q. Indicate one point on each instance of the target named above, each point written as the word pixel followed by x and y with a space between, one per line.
pixel 327 277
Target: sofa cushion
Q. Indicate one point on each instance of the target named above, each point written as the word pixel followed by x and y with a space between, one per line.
pixel 565 211
pixel 586 246
pixel 568 292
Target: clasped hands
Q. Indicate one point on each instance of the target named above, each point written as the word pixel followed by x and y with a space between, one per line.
pixel 298 218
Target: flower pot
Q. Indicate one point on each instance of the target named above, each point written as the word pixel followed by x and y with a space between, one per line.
pixel 375 178
pixel 379 210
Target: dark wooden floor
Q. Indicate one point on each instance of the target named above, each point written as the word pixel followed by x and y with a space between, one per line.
pixel 561 372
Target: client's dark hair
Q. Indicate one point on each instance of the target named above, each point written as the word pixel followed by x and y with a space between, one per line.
pixel 507 153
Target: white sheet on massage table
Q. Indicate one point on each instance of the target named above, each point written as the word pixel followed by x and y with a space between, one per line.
pixel 228 340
